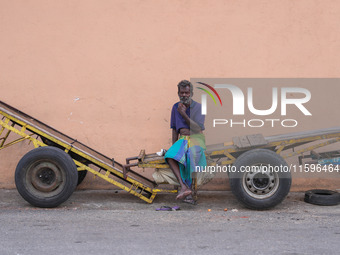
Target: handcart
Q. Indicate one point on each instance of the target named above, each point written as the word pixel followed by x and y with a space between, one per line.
pixel 48 175
pixel 256 166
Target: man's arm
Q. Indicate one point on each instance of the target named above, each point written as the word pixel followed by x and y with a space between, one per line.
pixel 174 135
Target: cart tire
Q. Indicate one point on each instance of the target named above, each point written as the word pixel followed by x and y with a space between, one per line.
pixel 81 176
pixel 259 188
pixel 322 197
pixel 46 177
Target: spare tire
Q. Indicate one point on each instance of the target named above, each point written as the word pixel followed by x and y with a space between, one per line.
pixel 257 181
pixel 46 177
pixel 322 197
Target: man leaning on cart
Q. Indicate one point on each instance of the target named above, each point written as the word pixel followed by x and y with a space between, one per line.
pixel 188 141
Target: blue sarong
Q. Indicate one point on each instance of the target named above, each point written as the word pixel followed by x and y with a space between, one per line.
pixel 188 151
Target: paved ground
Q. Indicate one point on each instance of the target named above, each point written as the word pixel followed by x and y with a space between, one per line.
pixel 106 222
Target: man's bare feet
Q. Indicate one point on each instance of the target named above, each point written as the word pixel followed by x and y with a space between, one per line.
pixel 183 194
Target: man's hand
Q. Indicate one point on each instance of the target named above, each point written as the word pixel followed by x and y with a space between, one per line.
pixel 181 109
pixel 194 127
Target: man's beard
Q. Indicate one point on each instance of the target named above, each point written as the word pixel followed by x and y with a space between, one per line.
pixel 185 100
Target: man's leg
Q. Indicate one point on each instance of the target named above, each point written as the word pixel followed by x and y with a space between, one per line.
pixel 185 190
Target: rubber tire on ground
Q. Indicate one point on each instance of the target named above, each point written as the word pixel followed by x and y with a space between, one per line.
pixel 46 177
pixel 322 197
pixel 281 180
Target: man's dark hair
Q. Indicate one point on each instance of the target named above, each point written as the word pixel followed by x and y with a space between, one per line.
pixel 184 84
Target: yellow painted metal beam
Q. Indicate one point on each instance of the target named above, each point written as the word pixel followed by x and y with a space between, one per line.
pixel 80 167
pixel 310 148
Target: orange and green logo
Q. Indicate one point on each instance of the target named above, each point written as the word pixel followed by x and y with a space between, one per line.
pixel 209 93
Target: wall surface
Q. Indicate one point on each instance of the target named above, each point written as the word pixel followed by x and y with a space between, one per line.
pixel 105 72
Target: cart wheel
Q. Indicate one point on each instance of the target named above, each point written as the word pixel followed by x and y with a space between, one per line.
pixel 46 177
pixel 261 179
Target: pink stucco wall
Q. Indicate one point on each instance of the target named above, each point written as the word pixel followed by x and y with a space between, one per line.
pixel 105 72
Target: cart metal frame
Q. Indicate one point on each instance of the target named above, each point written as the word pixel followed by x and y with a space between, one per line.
pixel 87 159
pixel 122 176
pixel 227 153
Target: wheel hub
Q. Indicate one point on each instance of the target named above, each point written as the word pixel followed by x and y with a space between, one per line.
pixel 46 177
pixel 260 183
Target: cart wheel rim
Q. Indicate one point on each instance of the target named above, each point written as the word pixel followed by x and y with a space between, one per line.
pixel 45 177
pixel 260 183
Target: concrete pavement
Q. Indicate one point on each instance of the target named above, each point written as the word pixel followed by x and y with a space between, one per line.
pixel 111 222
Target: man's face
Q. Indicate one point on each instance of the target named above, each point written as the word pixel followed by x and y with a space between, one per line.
pixel 184 95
